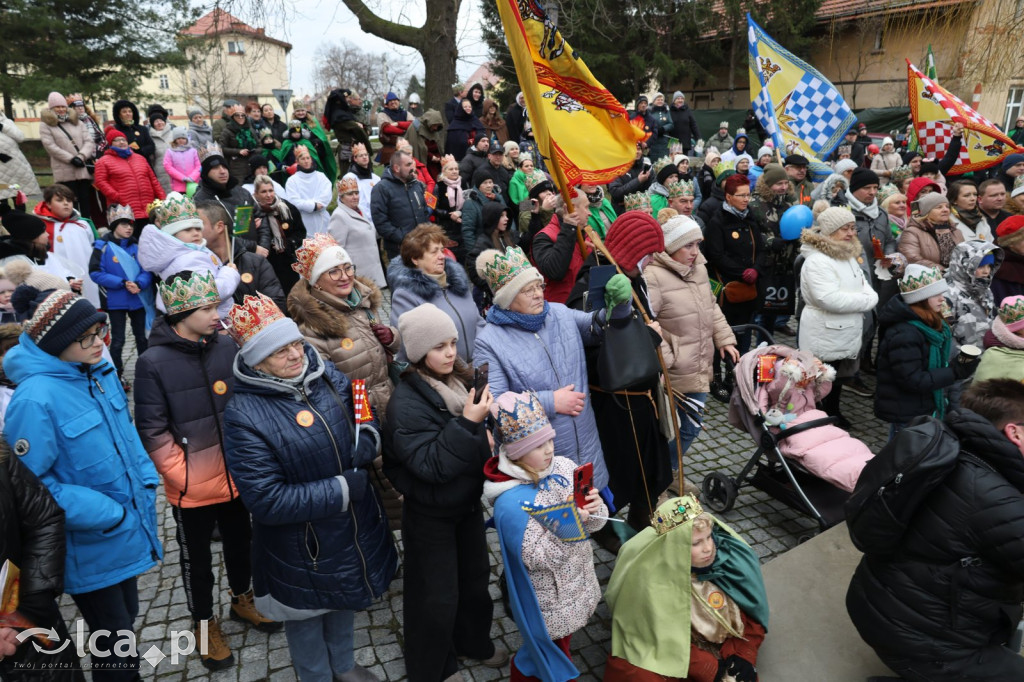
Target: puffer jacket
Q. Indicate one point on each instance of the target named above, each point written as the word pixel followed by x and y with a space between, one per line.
pixel 411 287
pixel 341 333
pixel 129 182
pixel 136 133
pixel 16 170
pixel 313 547
pixel 106 271
pixel 970 298
pixel 396 207
pixel 181 390
pixel 836 294
pixel 1004 355
pixel 905 383
pixel 544 362
pixel 731 244
pixel 472 214
pixel 62 149
pixel 956 586
pixel 920 243
pixel 71 426
pixel 692 324
pixel 433 457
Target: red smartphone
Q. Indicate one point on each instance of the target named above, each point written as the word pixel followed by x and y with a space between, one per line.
pixel 480 378
pixel 582 482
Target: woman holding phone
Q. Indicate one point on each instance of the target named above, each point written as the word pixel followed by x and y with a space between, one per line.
pixel 436 447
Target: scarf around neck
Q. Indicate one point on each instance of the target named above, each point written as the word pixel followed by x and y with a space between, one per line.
pixel 454 192
pixel 451 390
pixel 735 211
pixel 938 356
pixel 969 218
pixel 510 318
pixel 870 210
pixel 123 153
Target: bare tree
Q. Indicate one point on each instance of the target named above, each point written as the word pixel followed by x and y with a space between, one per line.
pixel 865 54
pixel 372 75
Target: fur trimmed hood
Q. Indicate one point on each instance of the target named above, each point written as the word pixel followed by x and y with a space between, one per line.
pixel 49 118
pixel 813 240
pixel 325 316
pixel 401 276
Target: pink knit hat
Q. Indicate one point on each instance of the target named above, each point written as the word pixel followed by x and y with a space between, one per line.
pixel 523 423
pixel 56 100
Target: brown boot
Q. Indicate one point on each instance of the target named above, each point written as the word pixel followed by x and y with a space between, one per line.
pixel 243 609
pixel 218 654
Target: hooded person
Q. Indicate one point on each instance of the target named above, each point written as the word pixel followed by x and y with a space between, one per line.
pixel 1004 343
pixel 515 116
pixel 972 307
pixel 692 568
pixel 312 131
pixel 426 135
pixel 344 115
pixel 464 130
pixel 494 124
pixel 739 146
pixel 217 183
pixel 127 120
pixel 181 163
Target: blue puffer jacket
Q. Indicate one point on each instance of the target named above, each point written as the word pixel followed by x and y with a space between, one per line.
pixel 545 362
pixel 311 549
pixel 70 425
pixel 105 270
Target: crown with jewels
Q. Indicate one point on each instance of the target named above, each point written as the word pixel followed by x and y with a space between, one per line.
pixel 661 164
pixel 175 212
pixel 348 183
pixel 251 316
pixel 1012 310
pixel 534 179
pixel 640 201
pixel 504 267
pixel 181 295
pixel 899 174
pixel 212 149
pixel 311 249
pixel 674 513
pixel 683 188
pixel 525 417
pixel 117 212
pixel 927 277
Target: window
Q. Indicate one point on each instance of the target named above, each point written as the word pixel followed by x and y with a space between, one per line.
pixel 236 47
pixel 164 83
pixel 1013 106
pixel 878 41
pixel 195 83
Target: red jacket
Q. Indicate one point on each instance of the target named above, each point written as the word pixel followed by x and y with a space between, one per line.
pixel 129 182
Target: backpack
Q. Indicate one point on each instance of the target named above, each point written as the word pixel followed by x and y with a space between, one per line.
pixel 893 484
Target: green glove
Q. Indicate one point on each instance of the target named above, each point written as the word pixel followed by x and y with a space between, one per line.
pixel 617 290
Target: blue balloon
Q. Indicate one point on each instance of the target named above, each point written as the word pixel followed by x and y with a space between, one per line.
pixel 794 221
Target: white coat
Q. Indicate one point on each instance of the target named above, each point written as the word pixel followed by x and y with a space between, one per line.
pixel 354 231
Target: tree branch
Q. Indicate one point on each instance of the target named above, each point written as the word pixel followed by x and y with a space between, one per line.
pixel 382 28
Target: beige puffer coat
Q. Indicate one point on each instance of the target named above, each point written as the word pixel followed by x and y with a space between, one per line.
pixel 692 324
pixel 61 149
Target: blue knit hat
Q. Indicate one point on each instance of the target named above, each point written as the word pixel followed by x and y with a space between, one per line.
pixel 1012 160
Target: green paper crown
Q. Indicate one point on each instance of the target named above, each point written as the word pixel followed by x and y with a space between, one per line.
pixel 641 201
pixel 1012 312
pixel 504 267
pixel 927 276
pixel 182 295
pixel 683 188
pixel 175 209
pixel 724 169
pixel 660 164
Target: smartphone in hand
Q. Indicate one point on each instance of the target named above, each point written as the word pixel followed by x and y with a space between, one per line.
pixel 480 378
pixel 582 482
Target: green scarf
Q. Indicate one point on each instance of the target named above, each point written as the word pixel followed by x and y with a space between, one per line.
pixel 938 356
pixel 244 139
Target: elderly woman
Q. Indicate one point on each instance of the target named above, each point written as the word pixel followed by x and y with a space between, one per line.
pixel 895 206
pixel 692 325
pixel 310 191
pixel 930 235
pixel 321 549
pixel 836 294
pixel 351 228
pixel 421 274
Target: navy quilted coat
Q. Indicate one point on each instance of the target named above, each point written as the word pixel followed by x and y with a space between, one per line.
pixel 312 549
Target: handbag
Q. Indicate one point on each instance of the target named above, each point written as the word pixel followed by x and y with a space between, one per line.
pixel 628 357
pixel 740 292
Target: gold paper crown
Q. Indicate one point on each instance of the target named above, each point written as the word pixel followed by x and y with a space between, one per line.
pixel 117 212
pixel 683 188
pixel 358 147
pixel 640 201
pixel 504 267
pixel 674 513
pixel 525 417
pixel 174 210
pixel 306 255
pixel 660 164
pixel 181 295
pixel 348 183
pixel 927 277
pixel 251 316
pixel 1012 311
pixel 212 149
pixel 445 160
pixel 722 168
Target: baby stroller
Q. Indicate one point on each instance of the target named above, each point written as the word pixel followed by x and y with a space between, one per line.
pixel 802 459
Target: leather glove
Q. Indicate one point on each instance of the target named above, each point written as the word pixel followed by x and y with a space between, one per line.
pixel 962 370
pixel 736 668
pixel 617 290
pixel 383 333
pixel 749 275
pixel 4 158
pixel 357 480
pixel 77 162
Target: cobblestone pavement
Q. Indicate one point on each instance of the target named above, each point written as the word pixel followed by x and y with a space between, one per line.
pixel 770 527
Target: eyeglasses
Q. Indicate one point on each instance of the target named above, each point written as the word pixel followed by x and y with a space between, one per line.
pixel 87 341
pixel 533 290
pixel 238 115
pixel 740 196
pixel 283 351
pixel 348 270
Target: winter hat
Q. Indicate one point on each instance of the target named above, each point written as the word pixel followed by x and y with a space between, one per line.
pixel 657 95
pixel 211 161
pixel 862 177
pixel 118 213
pixel 57 318
pixel 258 161
pixel 23 275
pixel 188 291
pixel 833 218
pixel 773 173
pixel 639 201
pixel 1012 160
pixel 845 165
pixel 424 327
pixel 482 174
pixel 632 236
pixel 176 213
pixel 667 170
pixel 112 134
pixel 710 155
pixel 921 282
pixel 23 227
pixel 55 99
pixel 1011 312
pixel 929 167
pixel 537 182
pixel 156 111
pixel 317 255
pixel 679 231
pixel 1009 232
pixel 260 328
pixel 765 151
pixel 506 273
pixel 522 422
pixel 390 97
pixel 178 134
pixel 192 111
pixel 1018 186
pixel 910 156
pixel 677 94
pixel 796 160
pixel 723 124
pixel 887 140
pixel 231 103
pixel 929 201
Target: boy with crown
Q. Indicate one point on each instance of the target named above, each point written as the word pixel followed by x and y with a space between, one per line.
pixel 183 383
pixel 690 568
pixel 177 245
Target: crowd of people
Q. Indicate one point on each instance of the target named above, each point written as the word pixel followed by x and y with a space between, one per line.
pixel 281 406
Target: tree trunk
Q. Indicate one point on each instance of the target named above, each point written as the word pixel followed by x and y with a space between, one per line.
pixel 8 101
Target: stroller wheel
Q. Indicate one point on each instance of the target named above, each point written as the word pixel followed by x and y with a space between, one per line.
pixel 719 492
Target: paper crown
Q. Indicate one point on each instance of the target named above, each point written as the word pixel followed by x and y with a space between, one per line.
pixel 117 212
pixel 358 148
pixel 176 212
pixel 524 418
pixel 724 169
pixel 307 254
pixel 212 149
pixel 674 513
pixel 181 295
pixel 1011 312
pixel 348 183
pixel 251 316
pixel 534 179
pixel 504 267
pixel 919 278
pixel 299 104
pixel 640 201
pixel 683 188
pixel 886 192
pixel 446 160
pixel 661 164
pixel 899 174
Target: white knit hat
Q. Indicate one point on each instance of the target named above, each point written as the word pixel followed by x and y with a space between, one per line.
pixel 833 218
pixel 763 151
pixel 679 231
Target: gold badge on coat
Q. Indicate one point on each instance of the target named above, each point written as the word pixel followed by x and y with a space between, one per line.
pixel 304 418
pixel 246 278
pixel 735 235
pixel 716 600
pixel 347 344
pixel 220 388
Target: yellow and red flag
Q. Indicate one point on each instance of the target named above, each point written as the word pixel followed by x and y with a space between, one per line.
pixel 935 110
pixel 582 131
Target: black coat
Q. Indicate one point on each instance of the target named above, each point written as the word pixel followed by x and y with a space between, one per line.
pixel 136 132
pixel 515 116
pixel 684 126
pixel 628 183
pixel 731 245
pixel 924 603
pixel 905 383
pixel 435 459
pixel 262 278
